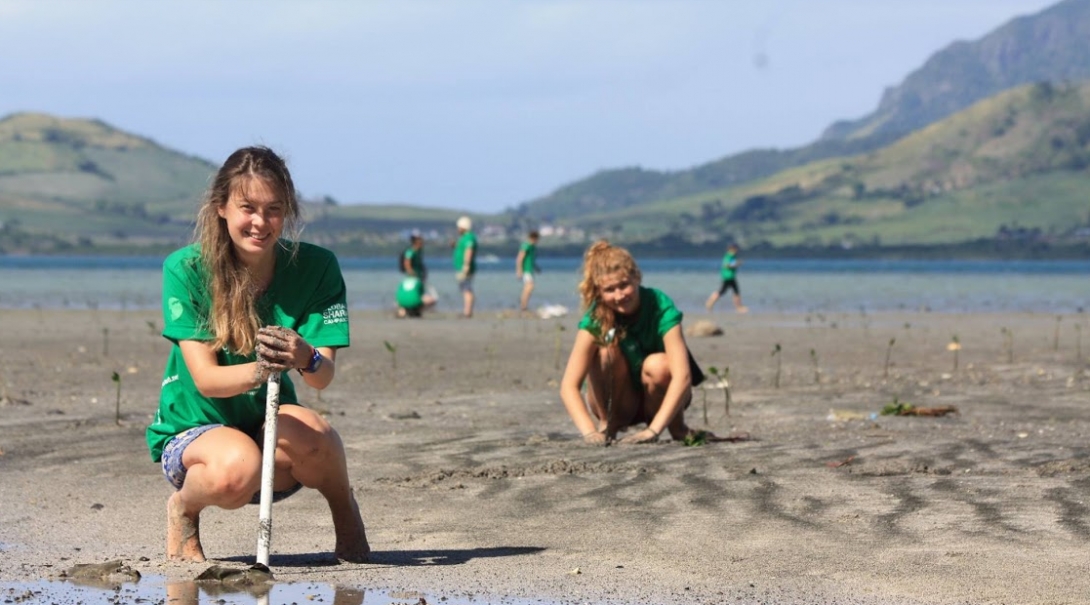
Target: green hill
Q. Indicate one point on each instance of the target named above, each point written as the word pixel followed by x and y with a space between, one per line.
pixel 83 186
pixel 67 183
pixel 1014 166
pixel 1049 46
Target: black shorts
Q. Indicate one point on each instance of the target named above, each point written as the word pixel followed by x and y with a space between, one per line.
pixel 731 284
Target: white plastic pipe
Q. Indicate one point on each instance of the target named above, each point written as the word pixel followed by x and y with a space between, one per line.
pixel 268 469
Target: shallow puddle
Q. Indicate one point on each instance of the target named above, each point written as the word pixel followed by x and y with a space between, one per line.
pixel 153 590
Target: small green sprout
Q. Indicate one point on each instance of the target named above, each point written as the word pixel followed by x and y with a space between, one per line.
pixel 117 407
pixel 779 365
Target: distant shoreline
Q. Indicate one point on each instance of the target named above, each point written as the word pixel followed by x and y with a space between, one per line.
pixel 982 250
pixel 553 262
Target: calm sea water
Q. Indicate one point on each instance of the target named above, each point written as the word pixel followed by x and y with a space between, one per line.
pixel 767 285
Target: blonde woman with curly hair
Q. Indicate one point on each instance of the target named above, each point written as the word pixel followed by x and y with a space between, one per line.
pixel 630 352
pixel 241 302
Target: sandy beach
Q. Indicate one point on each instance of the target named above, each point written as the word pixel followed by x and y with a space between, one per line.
pixel 473 481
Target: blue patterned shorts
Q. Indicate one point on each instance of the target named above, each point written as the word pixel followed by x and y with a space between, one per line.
pixel 175 471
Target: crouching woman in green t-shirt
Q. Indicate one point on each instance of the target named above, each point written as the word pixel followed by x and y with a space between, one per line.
pixel 239 304
pixel 631 352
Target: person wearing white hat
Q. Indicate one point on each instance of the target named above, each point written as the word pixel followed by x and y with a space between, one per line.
pixel 465 262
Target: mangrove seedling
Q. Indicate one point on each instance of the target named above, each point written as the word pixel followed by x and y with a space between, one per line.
pixel 779 365
pixel 117 407
pixel 721 382
pixel 390 348
pixel 1008 343
pixel 1056 334
pixel 897 408
pixel 695 439
pixel 559 344
pixel 704 397
pixel 105 342
pixel 954 346
pixel 393 353
pixel 490 357
pixel 1078 342
pixel 814 365
pixel 889 350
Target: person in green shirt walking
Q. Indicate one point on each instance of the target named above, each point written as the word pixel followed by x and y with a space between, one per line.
pixel 525 267
pixel 465 262
pixel 631 352
pixel 728 271
pixel 239 304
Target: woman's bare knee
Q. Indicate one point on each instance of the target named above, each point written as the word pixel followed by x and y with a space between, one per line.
pixel 306 438
pixel 656 372
pixel 230 482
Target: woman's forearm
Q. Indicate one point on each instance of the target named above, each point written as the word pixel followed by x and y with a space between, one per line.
pixel 322 378
pixel 577 409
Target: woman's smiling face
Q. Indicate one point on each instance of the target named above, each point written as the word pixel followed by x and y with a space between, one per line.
pixel 619 292
pixel 254 217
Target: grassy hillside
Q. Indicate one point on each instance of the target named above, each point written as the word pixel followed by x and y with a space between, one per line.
pixel 1012 166
pixel 71 185
pixel 67 184
pixel 1049 46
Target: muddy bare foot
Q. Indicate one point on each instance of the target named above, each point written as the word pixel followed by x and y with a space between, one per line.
pixel 183 533
pixel 352 544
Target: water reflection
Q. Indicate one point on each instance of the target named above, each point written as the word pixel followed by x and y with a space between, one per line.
pixel 189 592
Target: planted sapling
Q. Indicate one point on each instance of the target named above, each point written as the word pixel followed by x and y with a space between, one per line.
pixel 1056 334
pixel 954 346
pixel 117 407
pixel 559 344
pixel 814 365
pixel 779 365
pixel 1008 343
pixel 393 359
pixel 722 383
pixel 889 351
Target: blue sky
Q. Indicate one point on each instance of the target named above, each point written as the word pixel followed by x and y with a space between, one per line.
pixel 473 104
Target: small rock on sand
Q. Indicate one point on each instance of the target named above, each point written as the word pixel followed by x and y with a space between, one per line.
pixel 704 328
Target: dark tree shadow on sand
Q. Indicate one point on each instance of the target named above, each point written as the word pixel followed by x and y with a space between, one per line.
pixel 395 558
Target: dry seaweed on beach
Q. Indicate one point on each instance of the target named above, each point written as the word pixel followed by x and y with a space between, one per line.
pixel 902 408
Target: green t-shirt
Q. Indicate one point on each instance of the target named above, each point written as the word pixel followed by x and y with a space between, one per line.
pixel 416 261
pixel 643 332
pixel 729 264
pixel 307 294
pixel 411 293
pixel 529 258
pixel 467 240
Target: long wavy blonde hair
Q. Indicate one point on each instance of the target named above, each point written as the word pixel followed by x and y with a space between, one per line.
pixel 234 319
pixel 600 260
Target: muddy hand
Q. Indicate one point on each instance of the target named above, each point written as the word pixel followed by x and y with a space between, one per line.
pixel 283 348
pixel 644 436
pixel 263 369
pixel 595 438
